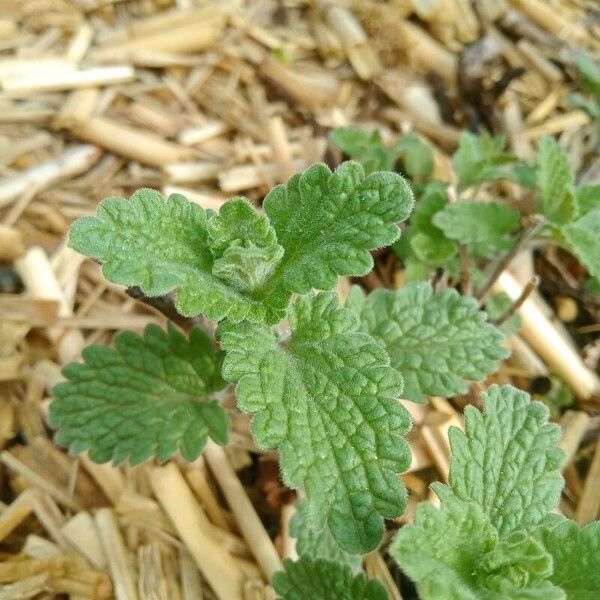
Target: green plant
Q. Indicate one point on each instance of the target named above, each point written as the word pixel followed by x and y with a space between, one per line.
pixel 494 537
pixel 566 214
pixel 322 379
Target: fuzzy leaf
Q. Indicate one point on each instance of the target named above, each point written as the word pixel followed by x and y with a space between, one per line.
pixel 367 148
pixel 314 544
pixel 243 244
pixel 588 199
pixel 308 579
pixel 329 222
pixel 576 554
pixel 417 156
pixel 161 245
pixel 556 199
pixel 583 238
pixel 507 460
pixel 481 158
pixel 147 396
pixel 329 400
pixel 484 227
pixel 438 341
pixel 454 553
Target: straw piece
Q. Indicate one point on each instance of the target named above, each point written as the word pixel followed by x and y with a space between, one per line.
pixel 35 479
pixel 122 574
pixel 109 479
pixel 245 177
pixel 72 162
pixel 39 547
pixel 192 136
pixel 18 569
pixel 215 563
pixel 191 582
pixel 250 525
pixel 35 312
pixel 375 567
pixel 77 108
pixel 289 543
pixel 17 511
pixel 17 87
pixel 573 424
pixel 129 142
pixel 199 484
pixel 192 171
pixel 313 90
pixel 282 153
pixel 29 587
pixel 11 244
pixel 152 584
pixel 551 346
pixel 197 33
pixel 589 503
pixel 81 531
pixel 558 124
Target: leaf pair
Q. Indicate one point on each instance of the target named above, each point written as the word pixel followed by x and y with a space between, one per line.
pixel 240 264
pixel 493 537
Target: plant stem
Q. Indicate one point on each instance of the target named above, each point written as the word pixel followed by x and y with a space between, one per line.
pixel 528 234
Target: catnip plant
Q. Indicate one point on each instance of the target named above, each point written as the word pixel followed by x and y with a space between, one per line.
pixel 322 379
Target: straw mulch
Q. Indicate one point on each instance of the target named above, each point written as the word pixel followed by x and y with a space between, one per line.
pixel 213 99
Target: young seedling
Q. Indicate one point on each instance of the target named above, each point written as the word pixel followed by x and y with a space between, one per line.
pixel 321 379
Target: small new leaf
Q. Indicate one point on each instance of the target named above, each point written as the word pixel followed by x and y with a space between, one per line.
pixel 576 555
pixel 583 238
pixel 328 400
pixel 163 245
pixel 243 244
pixel 323 580
pixel 367 148
pixel 455 553
pixel 438 341
pixel 482 158
pixel 556 200
pixel 484 227
pixel 507 461
pixel 148 396
pixel 329 222
pixel 487 540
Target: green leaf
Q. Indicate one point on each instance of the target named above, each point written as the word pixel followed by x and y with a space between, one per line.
pixel 589 73
pixel 366 148
pixel 583 238
pixel 315 544
pixel 329 400
pixel 481 158
pixel 454 553
pixel 238 264
pixel 148 396
pixel 243 244
pixel 425 247
pixel 588 199
pixel 437 341
pixel 556 200
pixel 484 227
pixel 417 157
pixel 507 461
pixel 308 579
pixel 329 222
pixel 576 554
pixel 162 245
